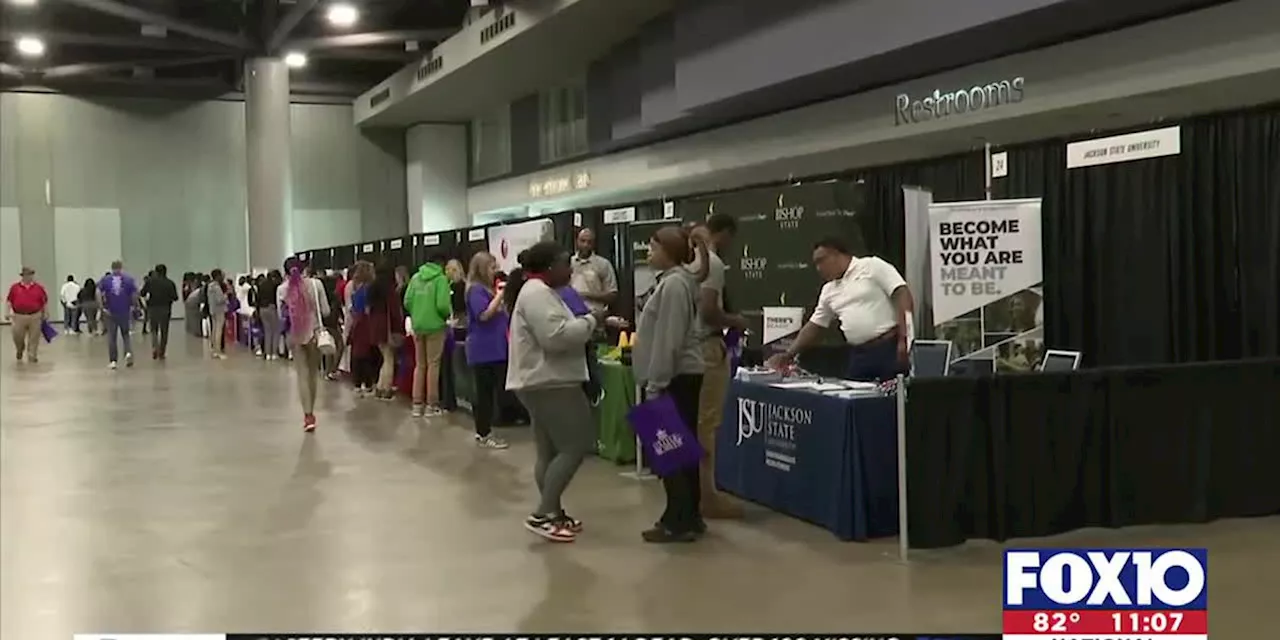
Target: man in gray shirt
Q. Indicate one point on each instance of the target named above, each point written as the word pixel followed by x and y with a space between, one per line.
pixel 593 276
pixel 718 231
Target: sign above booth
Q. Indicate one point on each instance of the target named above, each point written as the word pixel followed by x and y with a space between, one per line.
pixel 1155 143
pixel 940 104
pixel 559 185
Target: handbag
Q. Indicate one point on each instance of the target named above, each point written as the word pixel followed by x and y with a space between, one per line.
pixel 669 443
pixel 324 339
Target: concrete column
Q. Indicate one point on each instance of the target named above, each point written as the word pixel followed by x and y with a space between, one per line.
pixel 266 104
pixel 436 177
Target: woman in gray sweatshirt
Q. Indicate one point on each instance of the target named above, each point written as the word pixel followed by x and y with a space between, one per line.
pixel 216 300
pixel 667 358
pixel 546 370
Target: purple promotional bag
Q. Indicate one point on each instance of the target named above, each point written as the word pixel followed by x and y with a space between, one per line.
pixel 48 331
pixel 669 444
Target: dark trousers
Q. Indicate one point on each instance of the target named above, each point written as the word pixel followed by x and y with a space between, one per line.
pixel 158 318
pixel 683 488
pixel 876 360
pixel 592 385
pixel 364 369
pixel 489 381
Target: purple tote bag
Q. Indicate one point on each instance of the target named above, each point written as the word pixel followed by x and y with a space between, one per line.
pixel 669 444
pixel 48 331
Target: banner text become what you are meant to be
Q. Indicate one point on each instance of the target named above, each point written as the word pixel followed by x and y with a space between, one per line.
pixel 987 269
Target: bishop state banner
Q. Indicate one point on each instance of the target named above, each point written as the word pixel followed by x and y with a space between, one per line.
pixel 770 263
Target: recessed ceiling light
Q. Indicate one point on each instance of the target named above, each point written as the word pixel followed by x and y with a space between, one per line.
pixel 296 59
pixel 24 3
pixel 342 14
pixel 30 46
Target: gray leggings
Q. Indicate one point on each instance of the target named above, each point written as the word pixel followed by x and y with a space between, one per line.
pixel 564 433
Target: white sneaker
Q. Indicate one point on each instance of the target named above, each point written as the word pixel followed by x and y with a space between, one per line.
pixel 128 359
pixel 112 366
pixel 418 411
pixel 259 354
pixel 491 442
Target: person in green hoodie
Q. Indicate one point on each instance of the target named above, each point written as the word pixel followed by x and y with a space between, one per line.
pixel 427 299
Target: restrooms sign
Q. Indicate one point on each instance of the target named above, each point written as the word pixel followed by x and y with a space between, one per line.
pixel 940 104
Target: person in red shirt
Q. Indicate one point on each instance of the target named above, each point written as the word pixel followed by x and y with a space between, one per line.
pixel 27 302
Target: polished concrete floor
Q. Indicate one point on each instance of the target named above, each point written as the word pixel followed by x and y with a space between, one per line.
pixel 183 496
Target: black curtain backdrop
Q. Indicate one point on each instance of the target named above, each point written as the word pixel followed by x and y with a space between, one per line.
pixel 1033 455
pixel 1166 260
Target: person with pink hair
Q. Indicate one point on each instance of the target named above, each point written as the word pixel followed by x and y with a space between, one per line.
pixel 303 302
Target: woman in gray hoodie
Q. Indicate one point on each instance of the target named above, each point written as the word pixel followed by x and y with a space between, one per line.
pixel 546 371
pixel 667 358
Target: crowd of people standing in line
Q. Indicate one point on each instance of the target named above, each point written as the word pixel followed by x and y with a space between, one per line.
pixel 532 332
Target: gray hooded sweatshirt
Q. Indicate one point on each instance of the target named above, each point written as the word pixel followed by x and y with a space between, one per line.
pixel 668 340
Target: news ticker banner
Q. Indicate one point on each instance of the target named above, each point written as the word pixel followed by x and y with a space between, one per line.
pixel 427 636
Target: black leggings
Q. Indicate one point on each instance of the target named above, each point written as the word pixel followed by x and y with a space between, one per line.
pixel 489 381
pixel 364 370
pixel 683 488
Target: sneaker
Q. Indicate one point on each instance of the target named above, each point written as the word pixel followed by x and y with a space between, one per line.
pixel 550 528
pixel 128 359
pixel 386 394
pixel 595 402
pixel 258 353
pixel 572 523
pixel 20 354
pixel 155 354
pixel 435 411
pixel 662 535
pixel 491 442
pixel 309 422
pixel 418 411
pixel 112 366
pixel 33 359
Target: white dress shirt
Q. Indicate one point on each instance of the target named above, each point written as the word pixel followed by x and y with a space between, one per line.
pixel 861 300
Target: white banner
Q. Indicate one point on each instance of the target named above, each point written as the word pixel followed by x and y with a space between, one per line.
pixel 1155 143
pixel 508 240
pixel 981 252
pixel 781 323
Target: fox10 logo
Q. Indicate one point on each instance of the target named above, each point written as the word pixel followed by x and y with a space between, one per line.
pixel 1106 594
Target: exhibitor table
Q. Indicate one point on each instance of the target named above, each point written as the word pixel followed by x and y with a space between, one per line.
pixel 831 461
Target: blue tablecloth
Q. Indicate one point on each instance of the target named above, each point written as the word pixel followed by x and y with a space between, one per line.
pixel 830 461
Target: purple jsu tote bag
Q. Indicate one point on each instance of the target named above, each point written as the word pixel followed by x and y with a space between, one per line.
pixel 669 444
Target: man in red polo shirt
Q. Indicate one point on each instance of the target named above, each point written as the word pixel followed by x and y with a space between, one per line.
pixel 27 301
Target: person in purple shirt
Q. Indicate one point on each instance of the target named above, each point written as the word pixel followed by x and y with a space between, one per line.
pixel 118 294
pixel 487 325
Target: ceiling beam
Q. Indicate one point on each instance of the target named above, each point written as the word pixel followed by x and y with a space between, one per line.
pixel 288 23
pixel 95 68
pixel 328 88
pixel 372 55
pixel 143 16
pixel 370 39
pixel 123 42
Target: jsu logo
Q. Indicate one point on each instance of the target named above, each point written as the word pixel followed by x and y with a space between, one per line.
pixel 748 425
pixel 1105 578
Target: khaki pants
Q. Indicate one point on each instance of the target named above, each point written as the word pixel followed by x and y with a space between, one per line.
pixel 715 385
pixel 26 334
pixel 426 368
pixel 387 374
pixel 217 328
pixel 306 361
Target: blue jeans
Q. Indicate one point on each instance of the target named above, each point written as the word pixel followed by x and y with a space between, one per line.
pixel 70 318
pixel 118 324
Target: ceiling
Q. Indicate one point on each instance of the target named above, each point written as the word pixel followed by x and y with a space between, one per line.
pixel 197 48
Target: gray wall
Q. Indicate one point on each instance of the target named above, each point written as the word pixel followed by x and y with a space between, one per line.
pixel 176 173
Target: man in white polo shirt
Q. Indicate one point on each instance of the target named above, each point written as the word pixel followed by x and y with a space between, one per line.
pixel 872 303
